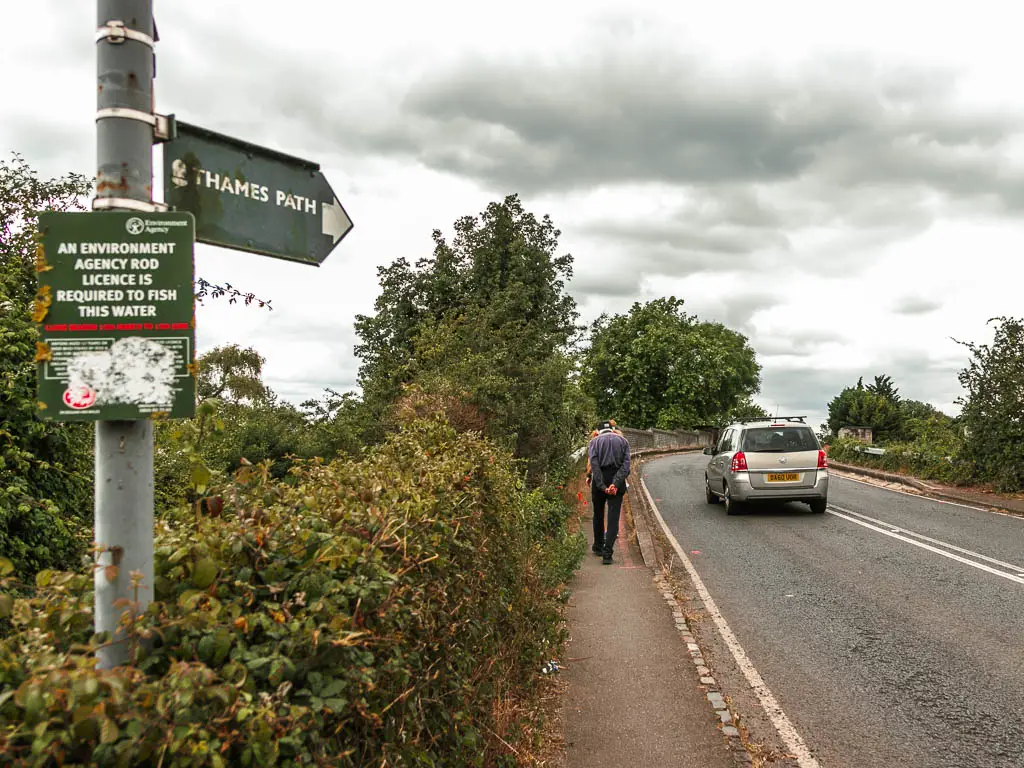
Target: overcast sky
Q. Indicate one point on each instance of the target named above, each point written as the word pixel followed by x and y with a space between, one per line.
pixel 842 183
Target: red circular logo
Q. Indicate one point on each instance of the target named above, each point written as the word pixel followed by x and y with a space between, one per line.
pixel 79 397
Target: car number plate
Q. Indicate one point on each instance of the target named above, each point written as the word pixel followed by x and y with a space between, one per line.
pixel 783 477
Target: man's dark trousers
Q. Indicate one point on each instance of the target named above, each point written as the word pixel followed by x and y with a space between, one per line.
pixel 602 533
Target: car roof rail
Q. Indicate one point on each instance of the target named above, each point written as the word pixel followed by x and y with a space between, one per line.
pixel 800 419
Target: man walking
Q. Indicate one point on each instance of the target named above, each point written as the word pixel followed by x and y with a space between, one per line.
pixel 608 456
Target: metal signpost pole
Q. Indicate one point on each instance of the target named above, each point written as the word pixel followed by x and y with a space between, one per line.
pixel 124 449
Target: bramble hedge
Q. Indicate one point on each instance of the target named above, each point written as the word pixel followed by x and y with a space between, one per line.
pixel 353 614
pixel 925 458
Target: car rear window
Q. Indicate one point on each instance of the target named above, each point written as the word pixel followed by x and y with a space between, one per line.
pixel 779 440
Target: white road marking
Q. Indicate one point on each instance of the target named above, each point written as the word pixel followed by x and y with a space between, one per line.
pixel 925 496
pixel 974 564
pixel 930 540
pixel 796 745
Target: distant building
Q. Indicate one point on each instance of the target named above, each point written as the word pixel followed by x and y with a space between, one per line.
pixel 863 434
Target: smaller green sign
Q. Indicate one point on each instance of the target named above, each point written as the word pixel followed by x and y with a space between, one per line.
pixel 115 310
pixel 252 198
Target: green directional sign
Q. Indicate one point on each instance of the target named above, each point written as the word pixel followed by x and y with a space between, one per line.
pixel 252 198
pixel 115 308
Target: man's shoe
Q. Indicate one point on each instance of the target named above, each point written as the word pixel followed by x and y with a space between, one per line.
pixel 607 559
pixel 598 548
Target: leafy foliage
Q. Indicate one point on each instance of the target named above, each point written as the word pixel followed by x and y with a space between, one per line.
pixel 335 424
pixel 932 456
pixel 925 421
pixel 379 609
pixel 519 392
pixel 883 386
pixel 358 614
pixel 45 468
pixel 979 447
pixel 747 409
pixel 862 406
pixel 894 419
pixel 242 421
pixel 233 374
pixel 659 367
pixel 993 406
pixel 485 320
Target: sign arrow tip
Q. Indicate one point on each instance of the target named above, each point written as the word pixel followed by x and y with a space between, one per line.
pixel 336 222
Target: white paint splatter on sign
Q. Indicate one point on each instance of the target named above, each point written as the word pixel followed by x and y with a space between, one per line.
pixel 134 371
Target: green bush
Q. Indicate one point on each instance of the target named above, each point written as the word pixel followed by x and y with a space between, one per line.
pixel 993 406
pixel 45 468
pixel 559 551
pixel 223 436
pixel 929 460
pixel 359 614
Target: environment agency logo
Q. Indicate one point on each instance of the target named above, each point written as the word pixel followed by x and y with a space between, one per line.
pixel 135 225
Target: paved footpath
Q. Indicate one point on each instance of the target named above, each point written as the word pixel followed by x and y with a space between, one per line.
pixel 633 694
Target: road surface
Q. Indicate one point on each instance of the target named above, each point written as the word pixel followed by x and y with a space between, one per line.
pixel 890 629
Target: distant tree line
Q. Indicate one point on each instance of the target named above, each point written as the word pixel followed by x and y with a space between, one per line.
pixel 981 445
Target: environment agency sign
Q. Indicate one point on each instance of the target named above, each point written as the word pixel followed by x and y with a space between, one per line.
pixel 115 308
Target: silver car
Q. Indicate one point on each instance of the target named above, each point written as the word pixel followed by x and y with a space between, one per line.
pixel 774 460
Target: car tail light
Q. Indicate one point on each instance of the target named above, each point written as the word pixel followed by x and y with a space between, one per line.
pixel 739 462
pixel 822 460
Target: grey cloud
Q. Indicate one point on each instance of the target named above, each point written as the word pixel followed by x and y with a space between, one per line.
pixel 916 305
pixel 735 309
pixel 645 258
pixel 776 171
pixel 925 375
pixel 733 228
pixel 326 328
pixel 870 155
pixel 337 375
pixel 50 147
pixel 297 392
pixel 587 283
pixel 269 90
pixel 629 113
pixel 728 224
pixel 329 368
pixel 795 343
pixel 51 131
pixel 805 394
pixel 632 114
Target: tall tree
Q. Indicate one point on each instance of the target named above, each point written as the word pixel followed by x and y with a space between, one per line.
pixel 860 406
pixel 485 317
pixel 993 405
pixel 923 420
pixel 233 374
pixel 748 409
pixel 45 468
pixel 656 366
pixel 884 387
pixel 337 423
pixel 916 409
